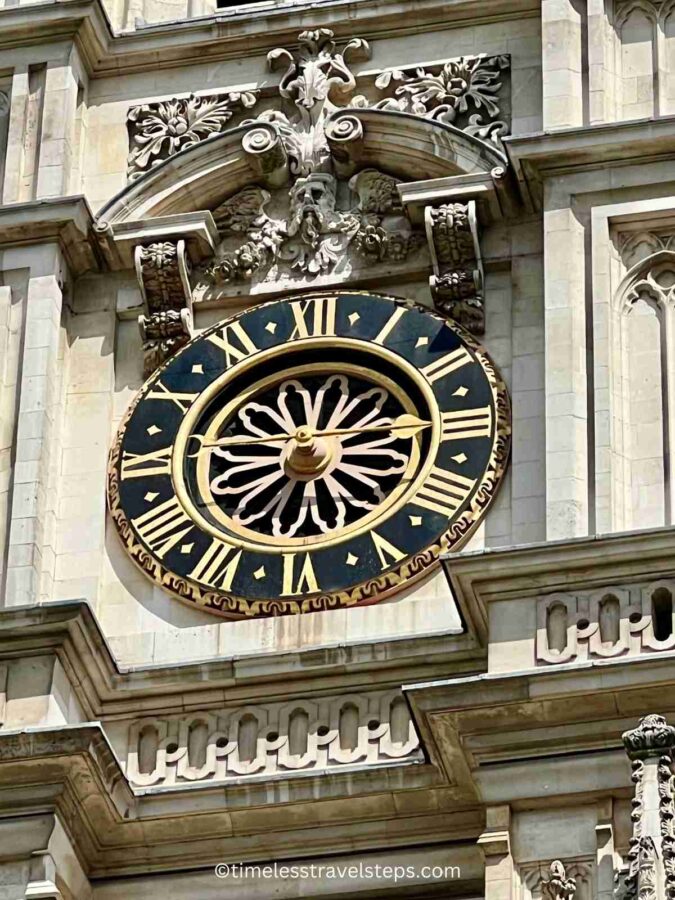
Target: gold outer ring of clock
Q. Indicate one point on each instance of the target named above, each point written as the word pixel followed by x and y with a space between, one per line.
pixel 251 539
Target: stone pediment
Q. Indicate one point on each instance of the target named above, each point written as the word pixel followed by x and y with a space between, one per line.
pixel 313 191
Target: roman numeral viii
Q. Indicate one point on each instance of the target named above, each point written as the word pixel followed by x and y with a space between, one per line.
pixel 443 491
pixel 163 526
pixel 466 423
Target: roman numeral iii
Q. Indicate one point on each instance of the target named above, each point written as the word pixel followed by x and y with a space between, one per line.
pixel 466 423
pixel 443 491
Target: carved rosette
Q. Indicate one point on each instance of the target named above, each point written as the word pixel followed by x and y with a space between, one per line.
pixel 158 131
pixel 163 275
pixel 651 854
pixel 457 282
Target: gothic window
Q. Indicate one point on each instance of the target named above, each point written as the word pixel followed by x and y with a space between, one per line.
pixel 644 412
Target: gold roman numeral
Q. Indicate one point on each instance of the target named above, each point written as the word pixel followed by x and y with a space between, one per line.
pixel 160 392
pixel 234 342
pixel 387 552
pixel 466 423
pixel 305 583
pixel 389 325
pixel 443 491
pixel 439 368
pixel 314 318
pixel 162 527
pixel 137 465
pixel 218 565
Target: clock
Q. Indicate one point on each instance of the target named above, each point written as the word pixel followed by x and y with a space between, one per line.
pixel 311 453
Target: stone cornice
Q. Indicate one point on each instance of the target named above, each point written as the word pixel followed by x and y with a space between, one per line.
pixel 70 630
pixel 67 221
pixel 72 769
pixel 536 157
pixel 491 575
pixel 228 33
pixel 571 720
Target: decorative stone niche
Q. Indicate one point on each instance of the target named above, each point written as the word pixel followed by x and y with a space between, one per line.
pixel 303 735
pixel 616 621
pixel 557 880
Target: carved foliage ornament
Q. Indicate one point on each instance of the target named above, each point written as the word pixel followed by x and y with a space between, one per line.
pixel 158 131
pixel 465 92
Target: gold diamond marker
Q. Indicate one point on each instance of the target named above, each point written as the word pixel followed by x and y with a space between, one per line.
pixel 153 429
pixel 271 327
pixel 351 559
pixel 150 496
pixel 186 548
pixel 198 369
pixel 353 318
pixel 259 573
pixel 415 521
pixel 421 342
pixel 460 458
pixel 460 392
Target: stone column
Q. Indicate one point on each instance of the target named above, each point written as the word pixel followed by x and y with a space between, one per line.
pixel 495 842
pixel 30 561
pixel 567 475
pixel 651 854
pixel 57 133
pixel 562 63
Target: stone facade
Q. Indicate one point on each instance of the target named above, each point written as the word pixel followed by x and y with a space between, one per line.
pixel 165 165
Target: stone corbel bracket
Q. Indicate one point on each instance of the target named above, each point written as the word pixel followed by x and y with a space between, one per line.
pixel 162 251
pixel 166 325
pixel 457 280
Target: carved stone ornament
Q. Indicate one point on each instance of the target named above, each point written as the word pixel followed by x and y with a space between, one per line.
pixel 157 131
pixel 166 324
pixel 318 221
pixel 273 739
pixel 464 92
pixel 651 854
pixel 457 282
pixel 303 220
pixel 556 885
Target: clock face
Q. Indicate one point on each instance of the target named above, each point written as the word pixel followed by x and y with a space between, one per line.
pixel 309 454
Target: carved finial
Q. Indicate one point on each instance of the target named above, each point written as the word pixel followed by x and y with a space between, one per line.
pixel 651 853
pixel 652 737
pixel 557 886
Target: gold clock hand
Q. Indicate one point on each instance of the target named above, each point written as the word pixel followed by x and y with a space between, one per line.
pixel 240 441
pixel 406 425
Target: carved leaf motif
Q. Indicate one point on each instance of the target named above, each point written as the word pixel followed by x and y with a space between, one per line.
pixel 461 86
pixel 160 130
